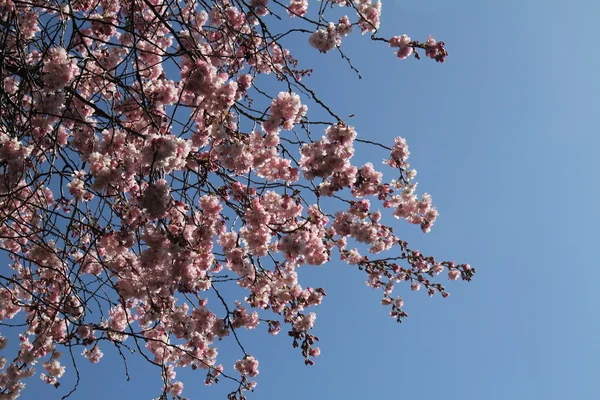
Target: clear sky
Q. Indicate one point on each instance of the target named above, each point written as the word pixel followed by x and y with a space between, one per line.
pixel 504 135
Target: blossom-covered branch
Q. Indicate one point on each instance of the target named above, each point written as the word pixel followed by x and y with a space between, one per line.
pixel 153 153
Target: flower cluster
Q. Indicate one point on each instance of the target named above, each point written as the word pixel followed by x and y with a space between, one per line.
pixel 286 111
pixel 369 15
pixel 329 155
pixel 403 45
pixel 435 50
pixel 59 69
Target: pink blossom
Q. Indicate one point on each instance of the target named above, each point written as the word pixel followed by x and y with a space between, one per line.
pixel 94 355
pixel 77 187
pixel 297 8
pixel 344 26
pixel 54 368
pixel 403 45
pixel 274 328
pixel 369 15
pixel 59 69
pixel 176 388
pixel 28 21
pixel 314 352
pixel 325 39
pixel 245 81
pixel 247 366
pixel 435 50
pixel 286 110
pixel 305 322
pixel 260 7
pixel 454 274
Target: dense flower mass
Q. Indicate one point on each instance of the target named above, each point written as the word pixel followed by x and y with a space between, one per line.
pixel 147 165
pixel 59 70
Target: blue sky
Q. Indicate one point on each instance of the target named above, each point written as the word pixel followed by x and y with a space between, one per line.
pixel 504 136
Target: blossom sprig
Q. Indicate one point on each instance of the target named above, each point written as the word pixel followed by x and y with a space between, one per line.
pixel 433 49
